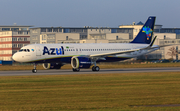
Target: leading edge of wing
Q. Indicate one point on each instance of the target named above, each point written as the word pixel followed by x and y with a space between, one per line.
pixel 114 53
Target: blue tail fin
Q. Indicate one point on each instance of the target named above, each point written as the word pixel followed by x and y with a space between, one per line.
pixel 145 34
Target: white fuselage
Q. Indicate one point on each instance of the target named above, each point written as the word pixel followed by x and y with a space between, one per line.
pixel 43 52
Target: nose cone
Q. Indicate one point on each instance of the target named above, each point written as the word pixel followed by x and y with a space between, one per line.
pixel 15 57
pixel 21 57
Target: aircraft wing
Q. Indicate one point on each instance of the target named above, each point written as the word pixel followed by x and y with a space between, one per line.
pixel 159 46
pixel 113 53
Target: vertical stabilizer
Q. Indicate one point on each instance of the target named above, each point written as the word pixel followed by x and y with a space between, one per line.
pixel 145 34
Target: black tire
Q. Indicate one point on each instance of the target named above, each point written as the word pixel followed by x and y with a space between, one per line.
pixel 76 70
pixel 34 70
pixel 95 68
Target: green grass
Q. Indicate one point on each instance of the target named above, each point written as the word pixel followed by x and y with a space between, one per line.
pixel 102 66
pixel 101 92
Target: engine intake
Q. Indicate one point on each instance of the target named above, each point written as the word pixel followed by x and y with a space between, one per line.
pixel 80 62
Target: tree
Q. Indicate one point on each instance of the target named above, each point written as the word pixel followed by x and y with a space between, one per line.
pixel 172 52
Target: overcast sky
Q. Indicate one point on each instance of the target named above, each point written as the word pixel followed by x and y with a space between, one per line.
pixel 96 13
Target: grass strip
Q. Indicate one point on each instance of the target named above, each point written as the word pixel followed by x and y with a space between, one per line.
pixel 102 92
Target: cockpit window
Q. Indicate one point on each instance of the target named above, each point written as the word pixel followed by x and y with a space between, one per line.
pixel 24 50
pixel 20 50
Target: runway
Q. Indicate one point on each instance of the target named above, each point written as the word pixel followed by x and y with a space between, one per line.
pixel 88 71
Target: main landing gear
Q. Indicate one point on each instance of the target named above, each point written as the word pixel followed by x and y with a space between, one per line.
pixel 76 70
pixel 34 70
pixel 95 68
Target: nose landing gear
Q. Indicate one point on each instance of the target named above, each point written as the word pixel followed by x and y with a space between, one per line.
pixel 34 70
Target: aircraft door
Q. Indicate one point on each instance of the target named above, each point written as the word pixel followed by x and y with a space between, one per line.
pixel 76 50
pixel 38 51
pixel 79 50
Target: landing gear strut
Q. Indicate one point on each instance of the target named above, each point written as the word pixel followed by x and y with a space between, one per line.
pixel 34 70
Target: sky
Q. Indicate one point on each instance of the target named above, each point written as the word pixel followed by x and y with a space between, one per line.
pixel 94 13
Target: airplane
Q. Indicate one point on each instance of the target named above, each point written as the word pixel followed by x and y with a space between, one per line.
pixel 54 56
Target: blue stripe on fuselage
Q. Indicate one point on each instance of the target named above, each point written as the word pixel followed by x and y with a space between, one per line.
pixel 68 60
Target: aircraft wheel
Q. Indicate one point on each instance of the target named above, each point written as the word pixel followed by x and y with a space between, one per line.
pixel 76 70
pixel 95 68
pixel 34 70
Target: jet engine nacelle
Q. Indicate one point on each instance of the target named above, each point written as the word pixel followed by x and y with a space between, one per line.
pixel 51 66
pixel 80 62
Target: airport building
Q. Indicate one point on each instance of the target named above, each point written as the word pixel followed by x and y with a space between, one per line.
pixel 12 38
pixel 80 35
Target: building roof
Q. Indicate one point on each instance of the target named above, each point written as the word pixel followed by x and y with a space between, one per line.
pixel 16 26
pixel 81 27
pixel 140 23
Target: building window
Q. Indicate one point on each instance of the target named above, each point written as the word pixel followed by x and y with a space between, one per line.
pixel 83 37
pixel 66 30
pixel 15 29
pixel 34 31
pixel 25 39
pixel 43 29
pixel 14 45
pixel 20 45
pixel 43 37
pixel 113 30
pixel 164 36
pixel 14 39
pixel 60 30
pixel 66 37
pixel 14 51
pixel 49 30
pixel 55 30
pixel 5 29
pixel 34 37
pixel 23 28
pixel 116 37
pixel 20 32
pixel 20 39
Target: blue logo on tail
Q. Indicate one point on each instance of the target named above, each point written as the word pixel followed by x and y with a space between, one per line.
pixel 148 31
